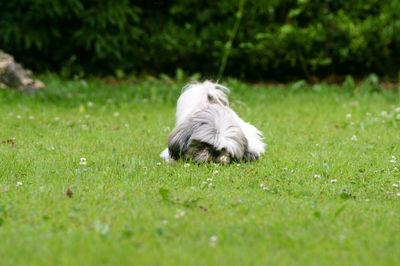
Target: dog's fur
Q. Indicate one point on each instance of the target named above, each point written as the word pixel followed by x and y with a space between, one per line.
pixel 207 130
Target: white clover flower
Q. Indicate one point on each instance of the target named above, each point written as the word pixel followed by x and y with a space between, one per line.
pixel 83 161
pixel 116 114
pixel 397 110
pixel 354 138
pixel 31 117
pixel 262 185
pixel 238 165
pixel 90 104
pixel 392 161
pixel 213 241
pixel 396 169
pixel 398 117
pixel 19 117
pixel 216 172
pixel 317 176
pixel 348 116
pixel 19 183
pixel 158 163
pixel 164 222
pixel 398 194
pixel 126 125
pixel 395 185
pixel 210 184
pixel 333 180
pixel 209 179
pixel 186 165
pixel 179 213
pixel 384 113
pixel 56 118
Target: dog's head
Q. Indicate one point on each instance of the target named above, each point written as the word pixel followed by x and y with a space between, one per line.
pixel 211 134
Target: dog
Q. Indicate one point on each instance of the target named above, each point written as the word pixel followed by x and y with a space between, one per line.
pixel 208 130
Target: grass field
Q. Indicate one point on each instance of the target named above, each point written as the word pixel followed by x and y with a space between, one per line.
pixel 325 192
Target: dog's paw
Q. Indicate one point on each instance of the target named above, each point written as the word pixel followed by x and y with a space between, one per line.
pixel 250 156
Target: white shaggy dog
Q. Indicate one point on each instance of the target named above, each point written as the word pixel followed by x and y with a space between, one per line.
pixel 207 130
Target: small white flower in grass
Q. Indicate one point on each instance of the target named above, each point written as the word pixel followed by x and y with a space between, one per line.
pixel 164 222
pixel 179 214
pixel 384 113
pixel 213 241
pixel 398 117
pixel 262 185
pixel 317 145
pixel 31 117
pixel 87 116
pixel 317 176
pixel 397 110
pixel 145 167
pixel 126 125
pixel 389 192
pixel 116 114
pixel 210 185
pixel 158 163
pixel 83 161
pixel 395 185
pixel 90 104
pixel 216 172
pixel 19 183
pixel 392 161
pixel 393 157
pixel 56 118
pixel 398 194
pixel 396 169
pixel 348 116
pixel 19 117
pixel 209 179
pixel 186 165
pixel 238 165
pixel 354 138
pixel 333 180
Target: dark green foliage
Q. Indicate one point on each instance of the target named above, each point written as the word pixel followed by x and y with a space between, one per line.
pixel 275 39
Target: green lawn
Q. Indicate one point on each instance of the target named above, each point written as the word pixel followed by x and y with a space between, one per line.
pixel 324 192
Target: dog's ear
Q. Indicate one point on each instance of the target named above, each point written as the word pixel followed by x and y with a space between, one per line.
pixel 178 140
pixel 217 97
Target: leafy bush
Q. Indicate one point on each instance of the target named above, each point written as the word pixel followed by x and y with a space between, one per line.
pixel 276 39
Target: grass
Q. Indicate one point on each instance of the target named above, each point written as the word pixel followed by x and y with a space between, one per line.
pixel 129 207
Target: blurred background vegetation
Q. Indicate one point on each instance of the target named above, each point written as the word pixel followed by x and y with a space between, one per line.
pixel 258 39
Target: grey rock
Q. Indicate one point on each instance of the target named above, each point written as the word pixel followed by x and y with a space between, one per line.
pixel 14 76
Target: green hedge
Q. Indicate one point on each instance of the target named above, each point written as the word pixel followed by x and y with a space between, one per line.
pixel 276 39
